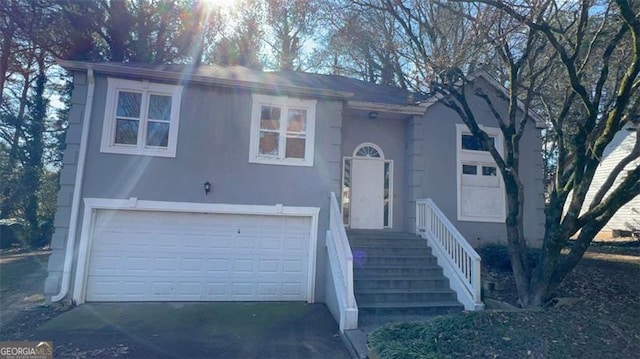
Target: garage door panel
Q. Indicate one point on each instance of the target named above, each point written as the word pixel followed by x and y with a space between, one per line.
pixel 142 256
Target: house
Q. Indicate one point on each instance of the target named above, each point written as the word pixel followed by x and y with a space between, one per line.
pixel 207 183
pixel 626 221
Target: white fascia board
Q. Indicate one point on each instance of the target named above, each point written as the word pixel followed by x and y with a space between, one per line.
pixel 381 107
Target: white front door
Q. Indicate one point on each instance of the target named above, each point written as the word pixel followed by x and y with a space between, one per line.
pixel 367 193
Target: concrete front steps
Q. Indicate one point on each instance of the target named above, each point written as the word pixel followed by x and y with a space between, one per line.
pixel 395 275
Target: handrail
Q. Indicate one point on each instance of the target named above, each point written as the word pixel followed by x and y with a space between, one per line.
pixel 340 256
pixel 454 253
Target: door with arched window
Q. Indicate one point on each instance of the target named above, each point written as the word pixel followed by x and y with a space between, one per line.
pixel 367 188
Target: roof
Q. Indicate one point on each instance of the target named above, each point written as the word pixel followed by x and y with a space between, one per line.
pixel 361 94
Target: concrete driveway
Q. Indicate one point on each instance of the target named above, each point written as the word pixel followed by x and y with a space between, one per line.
pixel 194 330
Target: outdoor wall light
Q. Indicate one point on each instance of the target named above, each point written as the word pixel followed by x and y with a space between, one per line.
pixel 373 115
pixel 207 188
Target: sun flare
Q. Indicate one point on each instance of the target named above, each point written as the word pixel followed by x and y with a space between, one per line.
pixel 220 3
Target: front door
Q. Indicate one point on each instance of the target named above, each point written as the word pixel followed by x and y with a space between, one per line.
pixel 367 193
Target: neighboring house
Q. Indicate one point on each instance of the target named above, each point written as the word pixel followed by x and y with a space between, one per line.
pixel 626 221
pixel 213 184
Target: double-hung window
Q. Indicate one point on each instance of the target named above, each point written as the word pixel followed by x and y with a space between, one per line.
pixel 141 118
pixel 282 131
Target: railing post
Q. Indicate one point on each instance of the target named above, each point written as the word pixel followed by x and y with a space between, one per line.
pixel 351 299
pixel 476 281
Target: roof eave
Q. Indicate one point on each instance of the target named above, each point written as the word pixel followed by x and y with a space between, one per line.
pixel 382 107
pixel 153 74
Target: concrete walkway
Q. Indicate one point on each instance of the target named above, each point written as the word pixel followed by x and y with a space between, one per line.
pixel 194 330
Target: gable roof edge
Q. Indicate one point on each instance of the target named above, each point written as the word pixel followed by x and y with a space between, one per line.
pixel 540 123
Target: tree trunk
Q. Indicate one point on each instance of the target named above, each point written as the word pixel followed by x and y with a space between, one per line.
pixel 515 237
pixel 35 149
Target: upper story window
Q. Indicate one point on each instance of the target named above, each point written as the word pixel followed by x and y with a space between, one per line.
pixel 141 118
pixel 282 131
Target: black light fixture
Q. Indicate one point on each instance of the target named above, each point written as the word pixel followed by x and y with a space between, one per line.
pixel 373 115
pixel 207 188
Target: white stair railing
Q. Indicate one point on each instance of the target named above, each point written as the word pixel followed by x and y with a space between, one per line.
pixel 460 262
pixel 341 265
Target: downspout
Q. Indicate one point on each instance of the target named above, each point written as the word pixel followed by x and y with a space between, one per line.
pixel 77 191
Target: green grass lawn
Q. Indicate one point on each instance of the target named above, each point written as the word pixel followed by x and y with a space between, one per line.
pixel 601 320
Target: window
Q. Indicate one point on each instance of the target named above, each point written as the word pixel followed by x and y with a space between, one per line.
pixel 480 187
pixel 469 169
pixel 282 131
pixel 489 171
pixel 474 143
pixel 367 151
pixel 141 118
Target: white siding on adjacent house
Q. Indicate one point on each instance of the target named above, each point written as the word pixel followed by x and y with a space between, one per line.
pixel 171 256
pixel 628 217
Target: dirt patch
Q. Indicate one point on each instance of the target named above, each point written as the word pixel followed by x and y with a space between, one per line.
pixel 22 303
pixel 599 302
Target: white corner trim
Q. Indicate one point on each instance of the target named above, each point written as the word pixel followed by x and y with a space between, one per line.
pixel 77 190
pixel 93 204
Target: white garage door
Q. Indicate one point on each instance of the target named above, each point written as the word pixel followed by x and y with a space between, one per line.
pixel 166 256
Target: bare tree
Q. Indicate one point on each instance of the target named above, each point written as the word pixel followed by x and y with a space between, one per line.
pixel 576 64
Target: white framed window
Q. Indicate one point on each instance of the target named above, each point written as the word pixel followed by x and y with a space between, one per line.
pixel 282 131
pixel 480 189
pixel 141 118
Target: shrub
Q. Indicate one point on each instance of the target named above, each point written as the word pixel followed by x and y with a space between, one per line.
pixel 496 257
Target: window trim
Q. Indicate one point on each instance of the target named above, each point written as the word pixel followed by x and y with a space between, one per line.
pixel 478 158
pixel 114 85
pixel 285 103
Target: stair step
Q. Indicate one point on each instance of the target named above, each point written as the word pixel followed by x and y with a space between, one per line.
pixel 394 260
pixel 401 283
pixel 395 271
pixel 431 308
pixel 387 240
pixel 375 251
pixel 388 244
pixel 404 298
pixel 380 234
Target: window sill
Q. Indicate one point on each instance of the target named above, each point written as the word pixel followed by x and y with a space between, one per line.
pixel 139 152
pixel 480 219
pixel 271 161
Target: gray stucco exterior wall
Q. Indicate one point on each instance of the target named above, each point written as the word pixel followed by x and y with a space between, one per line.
pixel 433 174
pixel 213 145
